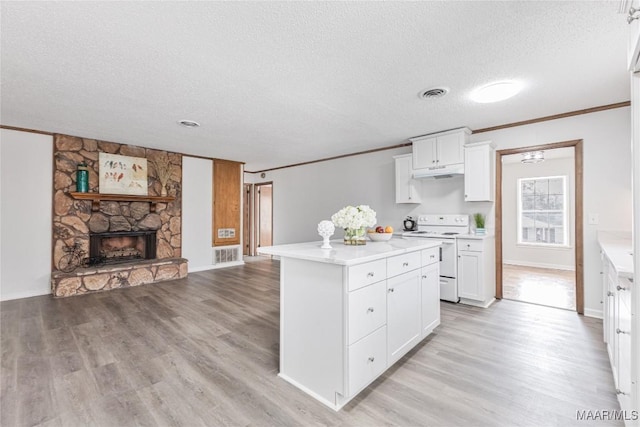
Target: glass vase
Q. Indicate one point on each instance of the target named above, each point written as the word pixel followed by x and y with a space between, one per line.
pixel 355 236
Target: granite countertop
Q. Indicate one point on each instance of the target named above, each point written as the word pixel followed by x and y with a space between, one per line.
pixel 349 255
pixel 617 247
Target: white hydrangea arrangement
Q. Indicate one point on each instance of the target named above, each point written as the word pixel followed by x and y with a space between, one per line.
pixel 354 217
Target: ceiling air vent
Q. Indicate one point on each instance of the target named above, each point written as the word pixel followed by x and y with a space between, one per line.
pixel 433 93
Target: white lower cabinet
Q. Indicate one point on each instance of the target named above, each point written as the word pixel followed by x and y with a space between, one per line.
pixel 403 314
pixel 367 359
pixel 617 331
pixel 476 271
pixel 367 310
pixel 430 294
pixel 622 343
pixel 343 326
pixel 469 274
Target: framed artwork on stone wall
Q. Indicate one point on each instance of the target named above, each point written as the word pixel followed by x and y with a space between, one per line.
pixel 122 174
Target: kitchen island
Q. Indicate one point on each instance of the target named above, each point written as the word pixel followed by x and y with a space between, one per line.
pixel 349 313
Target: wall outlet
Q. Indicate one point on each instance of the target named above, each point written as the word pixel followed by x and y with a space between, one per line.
pixel 594 219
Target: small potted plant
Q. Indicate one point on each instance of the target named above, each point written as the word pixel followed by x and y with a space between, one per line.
pixel 479 218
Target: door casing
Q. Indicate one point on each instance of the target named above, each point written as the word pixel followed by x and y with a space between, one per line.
pixel 579 215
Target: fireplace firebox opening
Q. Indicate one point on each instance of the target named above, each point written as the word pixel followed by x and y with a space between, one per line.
pixel 122 246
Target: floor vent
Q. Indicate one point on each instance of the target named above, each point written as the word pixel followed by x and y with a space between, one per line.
pixel 227 254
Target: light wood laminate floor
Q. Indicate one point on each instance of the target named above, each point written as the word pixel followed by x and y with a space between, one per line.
pixel 204 351
pixel 545 286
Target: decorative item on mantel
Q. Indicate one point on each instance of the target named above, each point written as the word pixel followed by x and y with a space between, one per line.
pixel 162 170
pixel 354 221
pixel 82 178
pixel 478 218
pixel 326 230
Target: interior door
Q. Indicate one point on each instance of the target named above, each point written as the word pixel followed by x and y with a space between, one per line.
pixel 264 214
pixel 246 220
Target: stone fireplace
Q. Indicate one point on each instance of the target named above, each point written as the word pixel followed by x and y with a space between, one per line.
pixel 140 243
pixel 122 246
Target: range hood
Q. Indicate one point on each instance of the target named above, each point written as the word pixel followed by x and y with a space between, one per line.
pixel 439 172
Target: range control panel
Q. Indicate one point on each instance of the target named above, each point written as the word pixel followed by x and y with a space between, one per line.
pixel 444 220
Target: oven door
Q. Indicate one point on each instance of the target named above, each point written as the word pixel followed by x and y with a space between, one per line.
pixel 448 259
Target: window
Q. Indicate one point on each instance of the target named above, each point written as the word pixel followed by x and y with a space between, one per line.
pixel 542 211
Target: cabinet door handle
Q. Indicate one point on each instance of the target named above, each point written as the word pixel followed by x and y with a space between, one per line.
pixel 618 391
pixel 405 264
pixel 610 294
pixel 424 277
pixel 370 274
pixel 391 290
pixel 372 359
pixel 620 331
pixel 620 288
pixel 433 161
pixel 370 310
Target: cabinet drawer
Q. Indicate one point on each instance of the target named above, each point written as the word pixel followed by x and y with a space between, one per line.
pixel 367 310
pixel 365 274
pixel 403 263
pixel 470 245
pixel 367 359
pixel 430 256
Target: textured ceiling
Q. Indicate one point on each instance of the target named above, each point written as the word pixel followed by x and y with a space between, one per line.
pixel 279 83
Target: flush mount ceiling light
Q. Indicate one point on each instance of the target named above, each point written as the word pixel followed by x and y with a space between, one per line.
pixel 434 92
pixel 495 92
pixel 188 123
pixel 533 157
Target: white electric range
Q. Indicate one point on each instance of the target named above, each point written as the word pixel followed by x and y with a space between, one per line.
pixel 444 228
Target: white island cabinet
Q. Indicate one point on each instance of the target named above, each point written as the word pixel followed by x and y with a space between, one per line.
pixel 349 313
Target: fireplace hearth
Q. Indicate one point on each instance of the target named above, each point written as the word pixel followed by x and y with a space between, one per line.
pixel 122 246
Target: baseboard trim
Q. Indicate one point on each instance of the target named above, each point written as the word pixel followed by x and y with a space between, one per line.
pixel 539 265
pixel 21 295
pixel 215 266
pixel 596 314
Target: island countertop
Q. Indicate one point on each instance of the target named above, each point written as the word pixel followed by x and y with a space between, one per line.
pixel 618 248
pixel 348 255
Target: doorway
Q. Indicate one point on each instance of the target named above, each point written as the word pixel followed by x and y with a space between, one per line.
pixel 264 214
pixel 258 217
pixel 539 225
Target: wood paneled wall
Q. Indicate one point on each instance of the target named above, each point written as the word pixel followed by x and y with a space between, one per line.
pixel 227 184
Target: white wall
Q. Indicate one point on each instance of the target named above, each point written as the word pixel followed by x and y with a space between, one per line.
pixel 26 176
pixel 304 195
pixel 535 256
pixel 197 193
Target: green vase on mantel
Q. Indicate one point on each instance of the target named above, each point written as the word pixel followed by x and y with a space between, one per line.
pixel 355 236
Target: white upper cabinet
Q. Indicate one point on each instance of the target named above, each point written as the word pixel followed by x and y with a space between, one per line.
pixel 440 149
pixel 424 152
pixel 633 55
pixel 407 188
pixel 478 172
